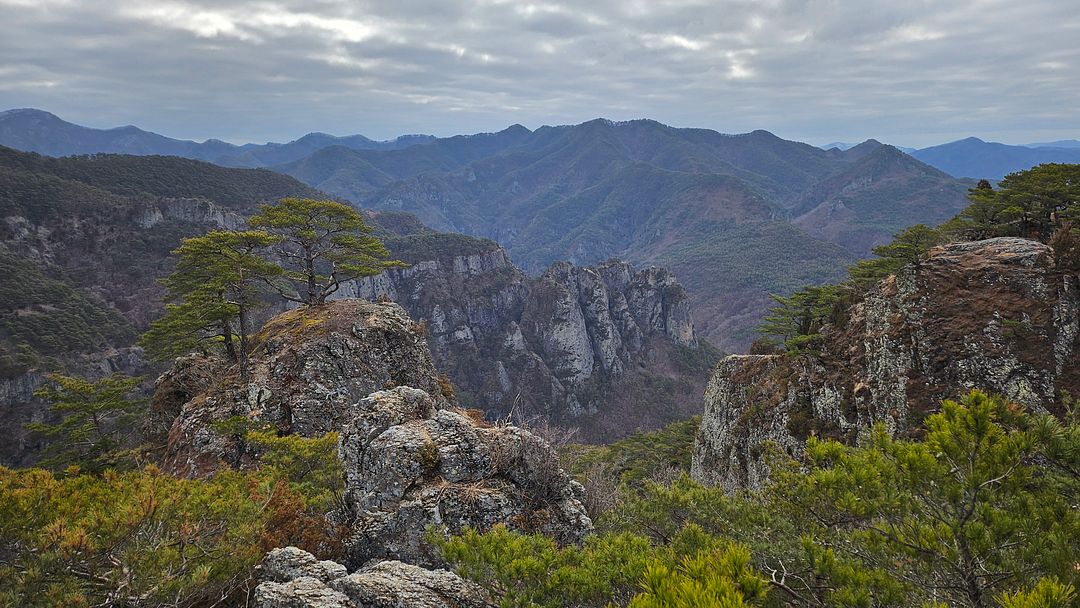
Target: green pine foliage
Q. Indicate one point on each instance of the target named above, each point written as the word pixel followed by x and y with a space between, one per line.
pixel 324 243
pixel 142 538
pixel 722 578
pixel 218 282
pixel 96 420
pixel 979 512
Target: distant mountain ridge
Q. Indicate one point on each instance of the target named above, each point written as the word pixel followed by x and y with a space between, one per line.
pixel 978 159
pixel 1061 143
pixel 32 130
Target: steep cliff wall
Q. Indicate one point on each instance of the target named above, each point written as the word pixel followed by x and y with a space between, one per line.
pixel 606 349
pixel 995 315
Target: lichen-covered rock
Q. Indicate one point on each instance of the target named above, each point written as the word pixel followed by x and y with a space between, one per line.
pixel 304 592
pixel 410 465
pixel 288 563
pixel 293 578
pixel 996 315
pixel 393 584
pixel 309 370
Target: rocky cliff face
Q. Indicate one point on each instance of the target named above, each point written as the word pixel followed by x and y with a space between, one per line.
pixel 582 346
pixel 995 315
pixel 409 465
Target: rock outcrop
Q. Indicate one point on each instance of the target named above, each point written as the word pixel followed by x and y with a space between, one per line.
pixel 410 465
pixel 295 579
pixel 581 346
pixel 994 315
pixel 309 370
pixel 412 459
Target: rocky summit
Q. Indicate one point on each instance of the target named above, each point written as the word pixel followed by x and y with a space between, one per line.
pixel 996 314
pixel 410 465
pixel 309 370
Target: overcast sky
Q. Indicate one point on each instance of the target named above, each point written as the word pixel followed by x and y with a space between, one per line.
pixel 907 72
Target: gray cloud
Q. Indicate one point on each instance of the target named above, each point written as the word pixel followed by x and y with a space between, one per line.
pixel 913 73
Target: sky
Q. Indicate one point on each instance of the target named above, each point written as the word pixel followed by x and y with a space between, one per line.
pixel 907 72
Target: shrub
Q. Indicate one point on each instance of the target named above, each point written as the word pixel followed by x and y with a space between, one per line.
pixel 142 538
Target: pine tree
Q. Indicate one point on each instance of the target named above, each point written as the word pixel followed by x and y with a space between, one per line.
pixel 323 244
pixel 907 249
pixel 96 419
pixel 963 516
pixel 798 318
pixel 216 284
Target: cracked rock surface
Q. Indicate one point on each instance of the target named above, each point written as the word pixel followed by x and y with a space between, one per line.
pixel 410 465
pixel 310 367
pixel 293 578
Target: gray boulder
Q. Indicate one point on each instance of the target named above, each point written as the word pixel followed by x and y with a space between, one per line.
pixel 292 578
pixel 410 465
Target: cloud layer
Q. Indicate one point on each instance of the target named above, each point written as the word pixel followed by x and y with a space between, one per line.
pixel 914 73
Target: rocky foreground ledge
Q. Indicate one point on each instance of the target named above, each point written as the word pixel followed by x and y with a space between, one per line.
pixel 296 579
pixel 997 315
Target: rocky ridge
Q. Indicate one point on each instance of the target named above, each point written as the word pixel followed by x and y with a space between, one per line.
pixel 996 315
pixel 575 345
pixel 309 371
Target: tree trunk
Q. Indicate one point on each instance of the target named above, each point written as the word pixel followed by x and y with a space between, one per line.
pixel 244 372
pixel 309 269
pixel 227 336
pixel 972 587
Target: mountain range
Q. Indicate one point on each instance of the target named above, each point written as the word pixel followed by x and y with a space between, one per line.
pixel 32 130
pixel 977 159
pixel 736 217
pixel 84 241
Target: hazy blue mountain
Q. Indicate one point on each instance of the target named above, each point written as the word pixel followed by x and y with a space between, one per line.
pixel 1061 143
pixel 978 159
pixel 32 130
pixel 839 145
